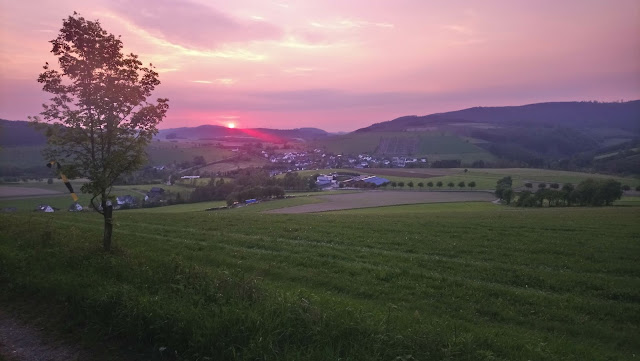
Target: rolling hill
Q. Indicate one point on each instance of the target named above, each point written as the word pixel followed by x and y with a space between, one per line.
pixel 567 134
pixel 264 134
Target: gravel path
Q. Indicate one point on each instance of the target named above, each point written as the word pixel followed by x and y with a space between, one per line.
pixel 384 198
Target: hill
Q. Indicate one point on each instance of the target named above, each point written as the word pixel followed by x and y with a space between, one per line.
pixel 625 116
pixel 566 135
pixel 263 134
pixel 19 133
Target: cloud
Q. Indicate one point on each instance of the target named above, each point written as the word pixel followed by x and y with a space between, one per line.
pixel 225 51
pixel 226 81
pixel 343 24
pixel 460 29
pixel 221 81
pixel 192 25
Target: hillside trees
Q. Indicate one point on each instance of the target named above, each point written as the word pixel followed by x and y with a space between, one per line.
pixel 102 119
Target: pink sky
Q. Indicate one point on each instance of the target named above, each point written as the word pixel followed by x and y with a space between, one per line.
pixel 341 65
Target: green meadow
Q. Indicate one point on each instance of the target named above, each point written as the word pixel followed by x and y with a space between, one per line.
pixel 463 281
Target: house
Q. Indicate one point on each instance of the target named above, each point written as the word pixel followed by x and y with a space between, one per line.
pixel 75 207
pixel 128 200
pixel 154 194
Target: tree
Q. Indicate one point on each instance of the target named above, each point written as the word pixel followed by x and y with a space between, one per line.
pixel 507 195
pixel 439 184
pixel 451 185
pixel 430 184
pixel 394 184
pixel 400 184
pixel 410 184
pixel 542 185
pixel 626 187
pixel 528 185
pixel 502 185
pixel 421 185
pixel 461 184
pixel 554 185
pixel 102 120
pixel 472 184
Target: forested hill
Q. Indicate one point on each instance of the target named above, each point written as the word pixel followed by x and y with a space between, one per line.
pixel 21 133
pixel 216 131
pixel 579 115
pixel 16 133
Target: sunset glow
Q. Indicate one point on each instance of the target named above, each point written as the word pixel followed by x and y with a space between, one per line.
pixel 341 65
pixel 231 125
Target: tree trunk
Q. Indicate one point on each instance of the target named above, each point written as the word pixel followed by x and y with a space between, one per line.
pixel 108 226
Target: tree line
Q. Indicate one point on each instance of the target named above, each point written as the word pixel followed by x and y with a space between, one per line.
pixel 251 184
pixel 590 192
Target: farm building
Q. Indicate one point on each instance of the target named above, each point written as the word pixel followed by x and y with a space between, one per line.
pixel 377 181
pixel 128 200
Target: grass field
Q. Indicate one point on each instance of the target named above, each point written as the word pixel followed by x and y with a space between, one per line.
pixel 485 178
pixel 63 200
pixel 436 146
pixel 468 281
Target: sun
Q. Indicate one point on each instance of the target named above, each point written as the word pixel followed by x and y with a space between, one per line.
pixel 231 125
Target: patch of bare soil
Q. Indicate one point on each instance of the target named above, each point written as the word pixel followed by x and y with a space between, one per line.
pixel 22 342
pixel 369 199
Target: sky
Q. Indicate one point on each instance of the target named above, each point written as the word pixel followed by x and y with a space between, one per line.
pixel 340 65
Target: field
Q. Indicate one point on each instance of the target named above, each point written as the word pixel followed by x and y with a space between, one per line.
pixel 162 153
pixel 458 281
pixel 25 196
pixel 435 146
pixel 368 199
pixel 159 153
pixel 486 178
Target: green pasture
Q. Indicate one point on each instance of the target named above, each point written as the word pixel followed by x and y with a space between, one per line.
pixel 162 153
pixel 64 200
pixel 435 146
pixel 486 178
pixel 471 281
pixel 22 156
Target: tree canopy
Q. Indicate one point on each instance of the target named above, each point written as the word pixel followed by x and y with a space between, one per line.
pixel 102 119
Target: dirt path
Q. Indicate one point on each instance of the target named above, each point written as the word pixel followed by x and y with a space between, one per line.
pixel 22 342
pixel 384 198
